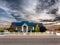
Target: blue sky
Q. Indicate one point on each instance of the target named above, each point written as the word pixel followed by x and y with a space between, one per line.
pixel 30 10
pixel 5 17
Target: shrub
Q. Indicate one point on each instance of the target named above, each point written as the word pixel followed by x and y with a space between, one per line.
pixel 11 30
pixel 33 31
pixel 57 29
pixel 16 30
pixel 1 30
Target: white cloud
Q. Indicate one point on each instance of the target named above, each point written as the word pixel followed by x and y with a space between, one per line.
pixel 7 19
pixel 28 11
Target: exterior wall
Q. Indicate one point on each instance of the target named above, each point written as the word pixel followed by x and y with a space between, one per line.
pixel 20 28
pixel 30 28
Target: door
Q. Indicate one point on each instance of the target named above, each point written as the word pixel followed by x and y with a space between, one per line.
pixel 24 28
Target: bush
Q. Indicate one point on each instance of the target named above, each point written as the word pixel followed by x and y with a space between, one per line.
pixel 1 30
pixel 16 30
pixel 33 31
pixel 57 29
pixel 11 30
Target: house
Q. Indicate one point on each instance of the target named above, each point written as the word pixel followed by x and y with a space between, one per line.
pixel 25 26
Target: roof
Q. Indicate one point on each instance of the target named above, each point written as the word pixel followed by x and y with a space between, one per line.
pixel 25 22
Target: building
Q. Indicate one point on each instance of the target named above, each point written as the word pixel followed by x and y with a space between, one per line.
pixel 25 26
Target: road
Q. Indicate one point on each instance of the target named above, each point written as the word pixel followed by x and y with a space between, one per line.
pixel 30 40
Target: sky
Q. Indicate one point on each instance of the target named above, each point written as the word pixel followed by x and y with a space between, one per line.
pixel 29 10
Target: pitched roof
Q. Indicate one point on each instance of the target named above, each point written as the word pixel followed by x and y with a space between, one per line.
pixel 25 22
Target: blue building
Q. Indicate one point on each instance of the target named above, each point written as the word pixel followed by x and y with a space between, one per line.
pixel 25 26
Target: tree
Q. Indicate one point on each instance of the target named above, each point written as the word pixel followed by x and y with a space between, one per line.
pixel 37 28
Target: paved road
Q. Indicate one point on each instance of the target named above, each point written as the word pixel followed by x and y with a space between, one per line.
pixel 28 40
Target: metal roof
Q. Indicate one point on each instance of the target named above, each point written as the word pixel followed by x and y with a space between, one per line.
pixel 26 22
